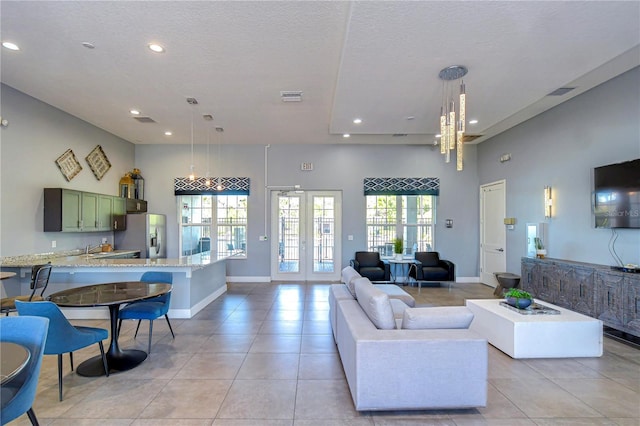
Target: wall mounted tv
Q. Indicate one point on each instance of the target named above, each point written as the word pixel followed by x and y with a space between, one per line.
pixel 617 195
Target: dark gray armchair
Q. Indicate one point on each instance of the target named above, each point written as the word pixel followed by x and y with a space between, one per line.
pixel 369 265
pixel 429 267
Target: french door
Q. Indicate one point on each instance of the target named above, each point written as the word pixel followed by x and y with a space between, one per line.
pixel 305 235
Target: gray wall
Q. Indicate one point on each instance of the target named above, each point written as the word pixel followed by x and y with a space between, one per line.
pixel 38 134
pixel 336 167
pixel 560 148
pixel 557 148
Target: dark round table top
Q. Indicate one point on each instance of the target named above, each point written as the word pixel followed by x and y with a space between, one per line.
pixel 13 358
pixel 108 294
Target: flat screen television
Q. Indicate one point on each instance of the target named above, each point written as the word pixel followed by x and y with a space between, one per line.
pixel 617 195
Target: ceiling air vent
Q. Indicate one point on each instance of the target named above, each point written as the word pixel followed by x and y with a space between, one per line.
pixel 144 119
pixel 399 135
pixel 291 96
pixel 561 91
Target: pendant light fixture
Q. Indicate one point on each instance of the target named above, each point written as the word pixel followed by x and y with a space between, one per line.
pixel 221 131
pixel 192 174
pixel 452 130
pixel 207 182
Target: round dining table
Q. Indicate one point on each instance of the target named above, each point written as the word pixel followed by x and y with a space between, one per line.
pixel 13 358
pixel 111 295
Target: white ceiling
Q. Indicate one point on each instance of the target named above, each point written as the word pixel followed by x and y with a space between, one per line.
pixel 374 60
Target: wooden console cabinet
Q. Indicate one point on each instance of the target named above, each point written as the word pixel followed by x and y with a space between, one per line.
pixel 594 290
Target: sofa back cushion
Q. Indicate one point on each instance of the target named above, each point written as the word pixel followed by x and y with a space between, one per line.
pixel 368 258
pixel 349 275
pixel 428 258
pixel 375 303
pixel 437 317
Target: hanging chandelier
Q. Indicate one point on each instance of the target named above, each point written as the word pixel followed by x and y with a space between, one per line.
pixel 452 129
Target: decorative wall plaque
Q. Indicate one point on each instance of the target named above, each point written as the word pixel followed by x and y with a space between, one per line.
pixel 98 162
pixel 68 165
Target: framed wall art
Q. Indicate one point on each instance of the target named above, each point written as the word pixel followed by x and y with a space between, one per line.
pixel 98 162
pixel 68 165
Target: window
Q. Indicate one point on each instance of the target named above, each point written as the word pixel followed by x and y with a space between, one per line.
pixel 408 216
pixel 217 222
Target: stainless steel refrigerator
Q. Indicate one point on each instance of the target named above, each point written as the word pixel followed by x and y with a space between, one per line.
pixel 146 232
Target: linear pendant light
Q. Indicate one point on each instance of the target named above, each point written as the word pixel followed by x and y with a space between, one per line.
pixel 452 130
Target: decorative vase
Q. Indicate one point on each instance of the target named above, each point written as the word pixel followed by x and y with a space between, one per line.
pixel 518 303
pixel 398 256
pixel 541 253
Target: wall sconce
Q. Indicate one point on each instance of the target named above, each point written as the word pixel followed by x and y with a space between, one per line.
pixel 548 201
pixel 510 222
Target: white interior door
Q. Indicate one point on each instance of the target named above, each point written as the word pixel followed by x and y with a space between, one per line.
pixel 305 235
pixel 493 254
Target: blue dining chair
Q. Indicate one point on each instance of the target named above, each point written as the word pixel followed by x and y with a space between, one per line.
pixel 149 309
pixel 63 336
pixel 17 396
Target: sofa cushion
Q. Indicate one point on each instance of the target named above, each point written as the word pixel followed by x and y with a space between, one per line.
pixel 349 275
pixel 375 303
pixel 396 292
pixel 428 258
pixel 433 273
pixel 438 317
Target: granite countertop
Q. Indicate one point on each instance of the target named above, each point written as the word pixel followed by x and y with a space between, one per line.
pixel 74 260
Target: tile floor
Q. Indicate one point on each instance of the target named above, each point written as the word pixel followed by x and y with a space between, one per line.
pixel 263 354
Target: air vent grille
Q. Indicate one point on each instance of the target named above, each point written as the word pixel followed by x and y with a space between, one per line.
pixel 399 135
pixel 144 119
pixel 291 96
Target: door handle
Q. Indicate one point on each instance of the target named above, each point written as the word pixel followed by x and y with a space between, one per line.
pixel 500 250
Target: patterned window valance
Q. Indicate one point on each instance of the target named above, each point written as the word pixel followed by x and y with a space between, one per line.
pixel 230 186
pixel 401 186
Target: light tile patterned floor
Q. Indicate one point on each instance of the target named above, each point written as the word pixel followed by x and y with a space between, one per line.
pixel 263 354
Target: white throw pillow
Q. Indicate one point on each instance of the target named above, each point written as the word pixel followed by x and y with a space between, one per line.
pixel 437 317
pixel 375 303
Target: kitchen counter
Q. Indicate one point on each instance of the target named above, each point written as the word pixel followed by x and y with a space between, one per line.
pixel 197 280
pixel 102 259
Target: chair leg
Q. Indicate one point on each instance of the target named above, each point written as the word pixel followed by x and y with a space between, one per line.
pixel 71 359
pixel 60 376
pixel 150 334
pixel 104 359
pixel 137 328
pixel 32 417
pixel 169 324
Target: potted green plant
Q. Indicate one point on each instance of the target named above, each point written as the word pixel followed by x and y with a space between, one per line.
pixel 518 298
pixel 541 252
pixel 398 247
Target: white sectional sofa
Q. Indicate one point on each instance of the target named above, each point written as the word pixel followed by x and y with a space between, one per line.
pixel 396 357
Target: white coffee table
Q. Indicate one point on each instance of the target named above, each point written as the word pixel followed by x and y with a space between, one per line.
pixel 566 335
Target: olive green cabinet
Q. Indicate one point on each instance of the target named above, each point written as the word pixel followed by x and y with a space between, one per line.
pixel 68 210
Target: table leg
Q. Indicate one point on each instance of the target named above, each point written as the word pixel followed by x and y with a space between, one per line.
pixel 117 359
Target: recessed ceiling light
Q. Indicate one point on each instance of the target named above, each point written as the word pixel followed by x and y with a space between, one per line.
pixel 473 121
pixel 357 120
pixel 135 112
pixel 88 45
pixel 411 117
pixel 168 133
pixel 10 46
pixel 438 135
pixel 156 48
pixel 346 135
